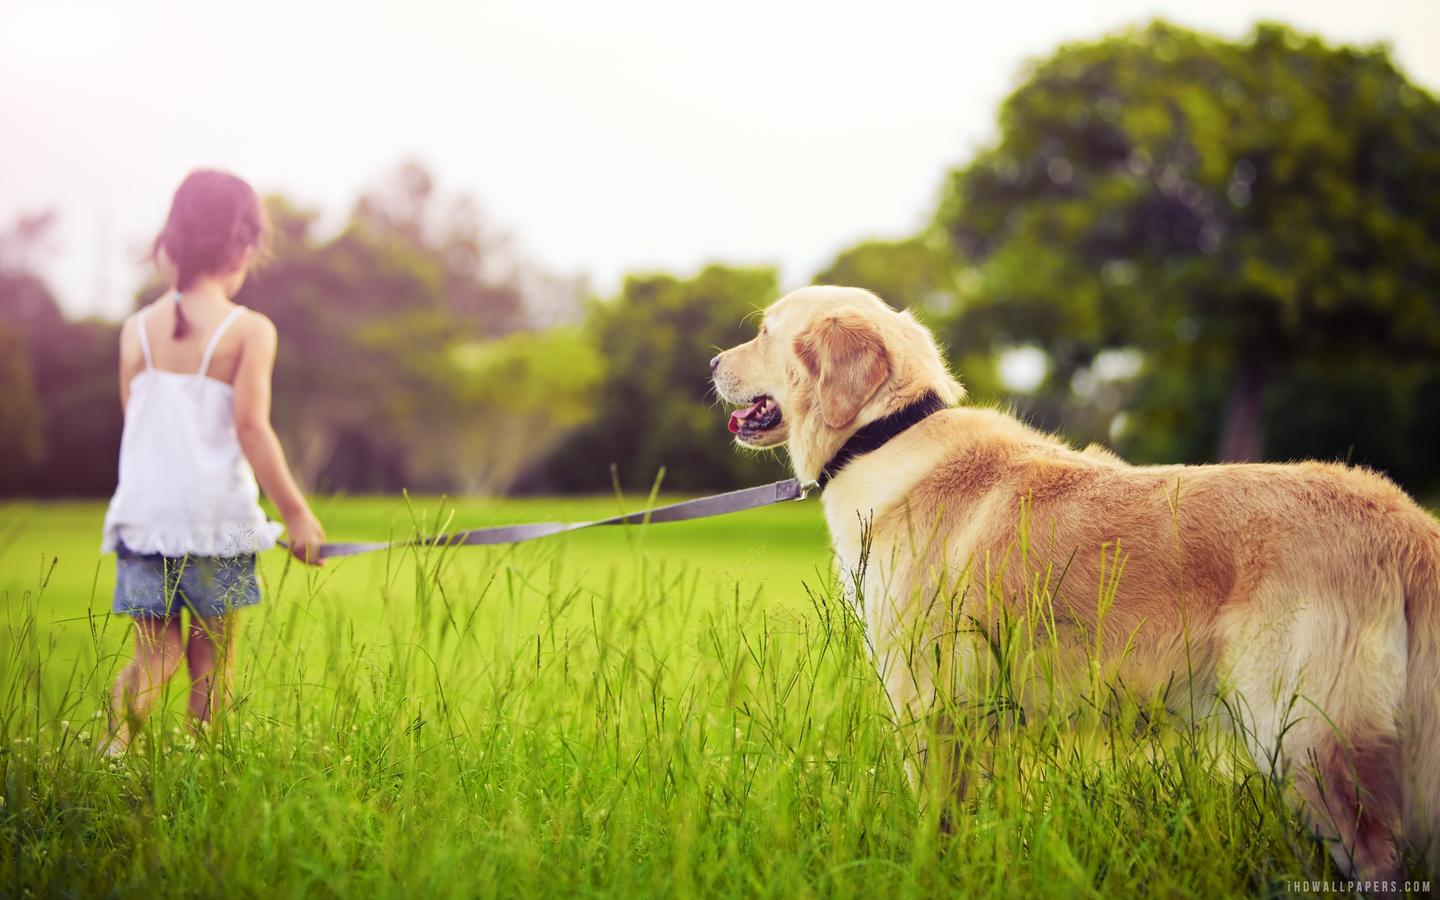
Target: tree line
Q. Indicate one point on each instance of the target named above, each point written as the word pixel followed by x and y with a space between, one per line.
pixel 1218 250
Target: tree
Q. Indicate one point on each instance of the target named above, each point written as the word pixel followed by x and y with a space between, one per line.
pixel 655 407
pixel 515 399
pixel 919 274
pixel 60 416
pixel 21 421
pixel 362 330
pixel 1238 211
pixel 75 377
pixel 479 272
pixel 27 304
pixel 912 273
pixel 381 383
pixel 29 317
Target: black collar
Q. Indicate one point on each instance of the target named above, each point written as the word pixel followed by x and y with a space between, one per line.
pixel 879 432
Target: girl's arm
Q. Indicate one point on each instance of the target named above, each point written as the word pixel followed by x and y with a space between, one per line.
pixel 262 447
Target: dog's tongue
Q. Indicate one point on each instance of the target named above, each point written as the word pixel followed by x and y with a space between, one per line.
pixel 740 415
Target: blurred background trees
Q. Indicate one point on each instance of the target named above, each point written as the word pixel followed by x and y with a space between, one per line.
pixel 59 402
pixel 1199 249
pixel 656 407
pixel 1251 220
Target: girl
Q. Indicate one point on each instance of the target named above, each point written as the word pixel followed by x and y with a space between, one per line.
pixel 185 522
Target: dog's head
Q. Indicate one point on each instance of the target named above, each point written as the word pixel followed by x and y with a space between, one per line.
pixel 827 361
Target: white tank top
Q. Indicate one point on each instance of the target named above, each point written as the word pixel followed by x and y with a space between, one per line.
pixel 185 486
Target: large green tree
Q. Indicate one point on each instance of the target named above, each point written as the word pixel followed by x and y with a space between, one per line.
pixel 1239 211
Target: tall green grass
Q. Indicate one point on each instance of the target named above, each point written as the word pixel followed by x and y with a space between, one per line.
pixel 680 711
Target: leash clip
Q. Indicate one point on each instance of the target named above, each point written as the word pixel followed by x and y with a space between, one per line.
pixel 806 487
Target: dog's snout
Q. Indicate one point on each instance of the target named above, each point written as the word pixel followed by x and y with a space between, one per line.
pixel 714 363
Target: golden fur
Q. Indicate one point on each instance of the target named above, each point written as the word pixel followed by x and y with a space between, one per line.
pixel 1261 583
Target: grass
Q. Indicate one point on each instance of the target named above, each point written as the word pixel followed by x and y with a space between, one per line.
pixel 682 710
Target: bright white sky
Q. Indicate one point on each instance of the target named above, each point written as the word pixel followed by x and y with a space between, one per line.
pixel 606 137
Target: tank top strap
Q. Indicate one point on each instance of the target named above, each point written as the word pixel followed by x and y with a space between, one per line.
pixel 215 338
pixel 144 338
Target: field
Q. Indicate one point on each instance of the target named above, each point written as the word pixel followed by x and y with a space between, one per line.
pixel 680 710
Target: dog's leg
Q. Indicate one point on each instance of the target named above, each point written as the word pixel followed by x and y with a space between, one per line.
pixel 1319 685
pixel 1351 796
pixel 1344 777
pixel 949 759
pixel 940 722
pixel 938 761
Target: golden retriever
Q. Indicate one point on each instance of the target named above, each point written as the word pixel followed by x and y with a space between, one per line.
pixel 1305 595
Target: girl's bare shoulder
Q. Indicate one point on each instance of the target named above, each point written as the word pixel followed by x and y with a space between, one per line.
pixel 256 321
pixel 255 328
pixel 130 327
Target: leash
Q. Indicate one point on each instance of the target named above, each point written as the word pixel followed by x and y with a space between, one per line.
pixel 867 439
pixel 699 508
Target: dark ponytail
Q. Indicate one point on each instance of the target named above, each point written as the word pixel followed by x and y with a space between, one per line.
pixel 215 219
pixel 182 326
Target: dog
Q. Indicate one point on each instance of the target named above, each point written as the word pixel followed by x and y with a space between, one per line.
pixel 1305 594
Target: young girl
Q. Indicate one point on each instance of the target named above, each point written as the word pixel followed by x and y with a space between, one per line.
pixel 185 522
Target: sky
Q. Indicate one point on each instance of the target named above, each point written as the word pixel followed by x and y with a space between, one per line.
pixel 603 138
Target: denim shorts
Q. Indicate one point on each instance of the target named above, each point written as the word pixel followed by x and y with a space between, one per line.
pixel 153 585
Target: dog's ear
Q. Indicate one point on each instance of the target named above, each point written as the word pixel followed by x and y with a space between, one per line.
pixel 847 357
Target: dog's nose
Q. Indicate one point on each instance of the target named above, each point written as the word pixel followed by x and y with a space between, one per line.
pixel 714 363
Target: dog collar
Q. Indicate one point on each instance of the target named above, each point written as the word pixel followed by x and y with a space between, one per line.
pixel 878 433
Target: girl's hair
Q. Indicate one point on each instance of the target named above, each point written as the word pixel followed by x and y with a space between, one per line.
pixel 214 219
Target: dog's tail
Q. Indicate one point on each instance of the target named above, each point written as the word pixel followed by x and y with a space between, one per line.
pixel 1422 697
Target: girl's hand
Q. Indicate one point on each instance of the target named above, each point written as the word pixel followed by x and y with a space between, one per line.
pixel 306 536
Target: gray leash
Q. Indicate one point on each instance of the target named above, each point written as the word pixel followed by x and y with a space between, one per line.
pixel 700 508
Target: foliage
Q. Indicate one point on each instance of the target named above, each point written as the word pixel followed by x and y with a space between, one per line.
pixel 654 409
pixel 59 415
pixel 913 273
pixel 21 421
pixel 1238 211
pixel 1361 409
pixel 519 396
pixel 383 383
pixel 28 305
pixel 918 274
pixel 362 330
pixel 476 275
pixel 76 381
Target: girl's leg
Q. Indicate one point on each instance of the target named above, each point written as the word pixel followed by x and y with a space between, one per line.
pixel 208 654
pixel 158 648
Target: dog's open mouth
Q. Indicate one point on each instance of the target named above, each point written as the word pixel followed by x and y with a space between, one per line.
pixel 762 415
